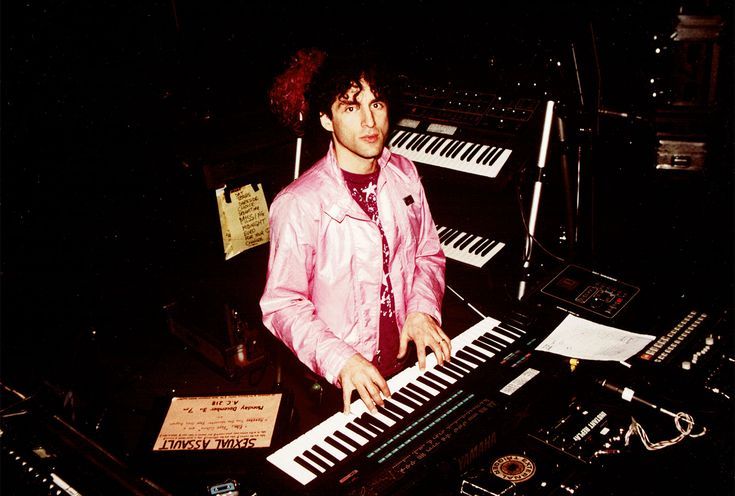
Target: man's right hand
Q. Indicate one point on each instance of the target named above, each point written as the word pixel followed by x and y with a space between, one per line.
pixel 361 375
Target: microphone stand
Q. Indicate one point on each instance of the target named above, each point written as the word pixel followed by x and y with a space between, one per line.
pixel 571 188
pixel 297 159
pixel 536 200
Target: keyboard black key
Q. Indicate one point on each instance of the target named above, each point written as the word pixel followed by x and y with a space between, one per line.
pixel 393 407
pixel 420 143
pixel 415 397
pixel 485 338
pixel 500 338
pixel 459 149
pixel 412 141
pixel 347 439
pixel 371 419
pixel 324 454
pixel 339 446
pixel 403 139
pixel 478 342
pixel 490 159
pixel 489 149
pixel 452 236
pixel 359 430
pixel 490 155
pixel 475 352
pixel 412 144
pixel 508 332
pixel 450 367
pixel 436 378
pixel 430 383
pixel 433 148
pixel 316 460
pixel 518 327
pixel 427 143
pixel 489 247
pixel 477 244
pixel 387 413
pixel 474 152
pixel 460 239
pixel 419 390
pixel 446 371
pixel 466 356
pixel 308 466
pixel 466 242
pixel 457 362
pixel 405 400
pixel 396 136
pixel 467 152
pixel 460 146
pixel 368 426
pixel 446 233
pixel 449 148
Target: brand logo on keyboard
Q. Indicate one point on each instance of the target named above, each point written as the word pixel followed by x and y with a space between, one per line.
pixel 513 468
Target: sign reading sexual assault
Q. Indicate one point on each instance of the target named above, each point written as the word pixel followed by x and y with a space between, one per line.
pixel 219 423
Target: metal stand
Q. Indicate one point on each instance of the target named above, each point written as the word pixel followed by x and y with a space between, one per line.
pixel 535 202
pixel 297 159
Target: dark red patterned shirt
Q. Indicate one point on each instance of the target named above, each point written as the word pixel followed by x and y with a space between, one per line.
pixel 364 189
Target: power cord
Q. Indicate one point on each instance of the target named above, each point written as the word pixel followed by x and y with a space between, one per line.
pixel 683 421
pixel 528 235
pixel 684 424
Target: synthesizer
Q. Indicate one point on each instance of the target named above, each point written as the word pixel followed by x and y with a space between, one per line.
pixel 43 452
pixel 471 249
pixel 693 354
pixel 465 130
pixel 444 416
pixel 460 155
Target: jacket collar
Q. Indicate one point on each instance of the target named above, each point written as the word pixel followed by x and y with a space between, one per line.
pixel 342 203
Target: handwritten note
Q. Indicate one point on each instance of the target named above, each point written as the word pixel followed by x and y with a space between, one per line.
pixel 219 423
pixel 243 219
pixel 581 338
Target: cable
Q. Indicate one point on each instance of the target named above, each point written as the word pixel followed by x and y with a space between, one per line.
pixel 534 239
pixel 683 421
pixel 679 419
pixel 466 302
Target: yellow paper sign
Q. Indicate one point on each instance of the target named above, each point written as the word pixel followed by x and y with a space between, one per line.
pixel 243 216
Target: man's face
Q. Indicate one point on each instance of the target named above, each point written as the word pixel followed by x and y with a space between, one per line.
pixel 359 125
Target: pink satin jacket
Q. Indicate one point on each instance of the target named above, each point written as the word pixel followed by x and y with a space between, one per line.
pixel 322 293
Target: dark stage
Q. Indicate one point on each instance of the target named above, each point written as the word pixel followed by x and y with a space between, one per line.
pixel 120 120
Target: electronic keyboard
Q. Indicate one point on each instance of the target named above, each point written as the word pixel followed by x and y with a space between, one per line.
pixel 469 248
pixel 443 151
pixel 428 412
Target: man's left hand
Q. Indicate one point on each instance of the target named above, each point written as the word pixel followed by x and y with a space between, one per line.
pixel 423 330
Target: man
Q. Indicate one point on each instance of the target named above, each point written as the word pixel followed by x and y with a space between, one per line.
pixel 356 271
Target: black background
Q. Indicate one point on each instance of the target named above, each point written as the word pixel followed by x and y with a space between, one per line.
pixel 112 110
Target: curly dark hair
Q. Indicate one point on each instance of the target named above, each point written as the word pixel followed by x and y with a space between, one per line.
pixel 313 80
pixel 342 71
